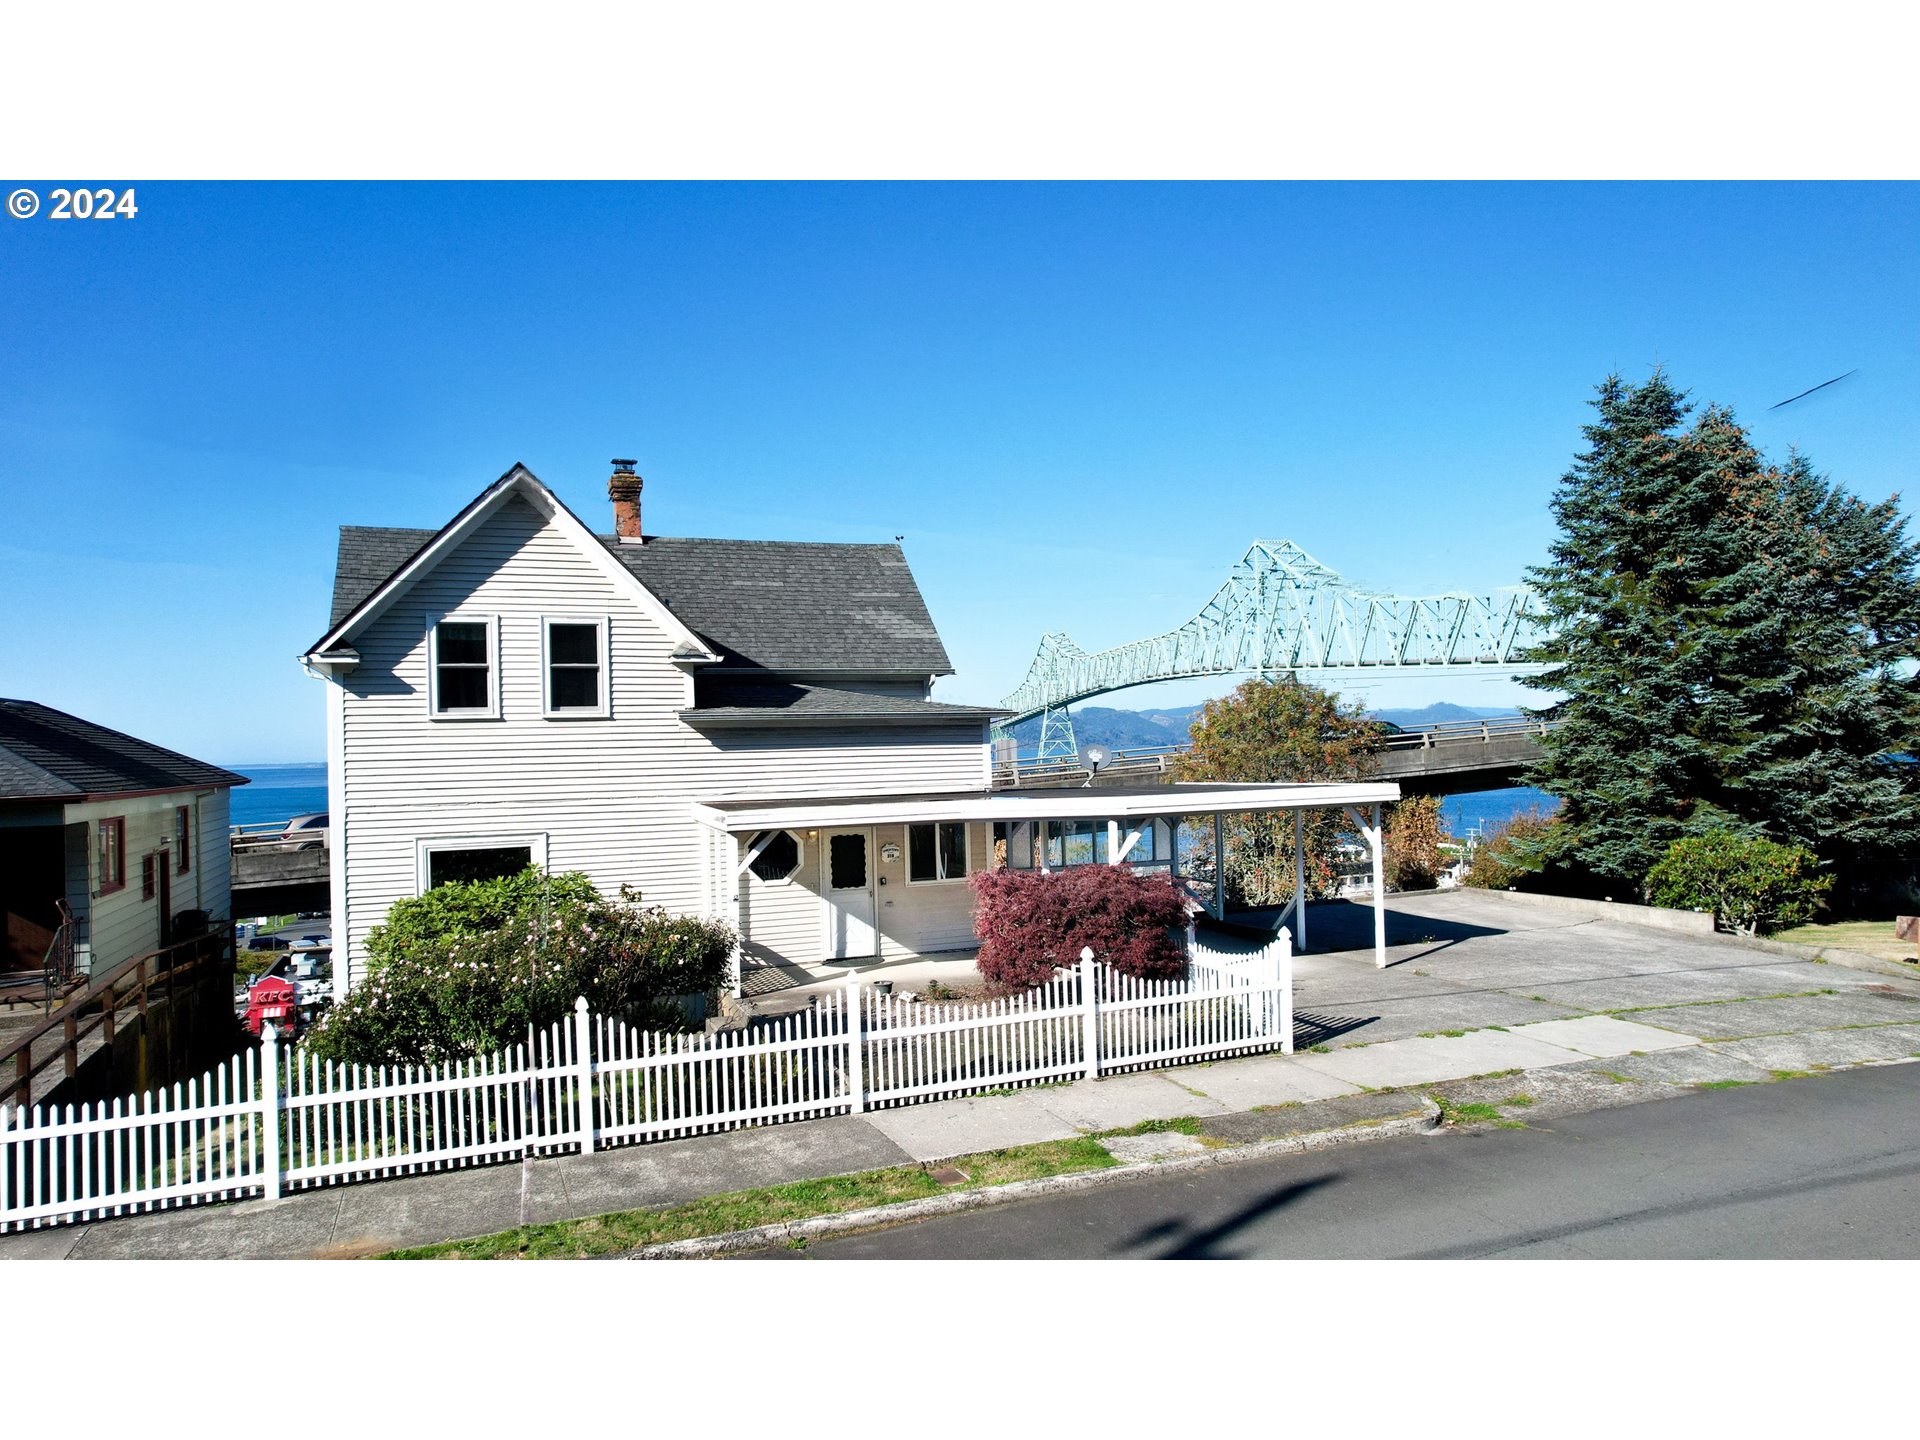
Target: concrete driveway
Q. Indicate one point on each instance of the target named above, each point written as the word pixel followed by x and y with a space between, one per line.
pixel 1474 959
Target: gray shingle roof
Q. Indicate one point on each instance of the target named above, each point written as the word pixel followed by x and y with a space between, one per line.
pixel 47 754
pixel 367 556
pixel 775 705
pixel 787 605
pixel 772 604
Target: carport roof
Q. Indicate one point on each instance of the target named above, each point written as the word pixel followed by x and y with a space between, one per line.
pixel 1115 802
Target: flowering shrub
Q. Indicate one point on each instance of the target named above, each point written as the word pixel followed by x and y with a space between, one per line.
pixel 475 907
pixel 1033 922
pixel 465 993
pixel 1751 885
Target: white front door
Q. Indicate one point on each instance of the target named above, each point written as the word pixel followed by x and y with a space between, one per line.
pixel 847 857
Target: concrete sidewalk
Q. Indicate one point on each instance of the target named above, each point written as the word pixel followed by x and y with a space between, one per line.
pixel 1595 1013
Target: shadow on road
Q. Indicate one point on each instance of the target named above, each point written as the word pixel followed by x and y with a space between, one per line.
pixel 1185 1243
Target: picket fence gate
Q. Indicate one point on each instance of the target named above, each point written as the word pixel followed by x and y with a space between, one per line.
pixel 270 1121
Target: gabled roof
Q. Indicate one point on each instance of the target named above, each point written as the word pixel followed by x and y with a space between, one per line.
pixel 787 606
pixel 47 754
pixel 764 705
pixel 359 599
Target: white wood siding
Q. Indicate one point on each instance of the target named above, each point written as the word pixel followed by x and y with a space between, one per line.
pixel 123 924
pixel 927 918
pixel 612 796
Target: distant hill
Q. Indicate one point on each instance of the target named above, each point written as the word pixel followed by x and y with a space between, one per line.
pixel 1122 729
pixel 1127 729
pixel 1439 713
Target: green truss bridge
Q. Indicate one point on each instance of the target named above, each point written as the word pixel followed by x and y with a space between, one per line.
pixel 1282 611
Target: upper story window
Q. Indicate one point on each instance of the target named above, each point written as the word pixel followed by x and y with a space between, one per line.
pixel 182 838
pixel 575 655
pixel 110 854
pixel 936 852
pixel 463 674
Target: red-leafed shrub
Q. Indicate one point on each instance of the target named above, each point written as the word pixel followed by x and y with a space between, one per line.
pixel 1031 923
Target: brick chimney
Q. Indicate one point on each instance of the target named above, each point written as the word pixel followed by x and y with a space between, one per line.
pixel 624 490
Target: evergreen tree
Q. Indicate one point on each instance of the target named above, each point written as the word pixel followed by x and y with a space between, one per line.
pixel 1726 634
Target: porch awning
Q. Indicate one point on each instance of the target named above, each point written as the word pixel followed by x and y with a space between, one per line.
pixel 1093 802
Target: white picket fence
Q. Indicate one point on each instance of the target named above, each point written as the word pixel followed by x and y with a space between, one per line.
pixel 270 1121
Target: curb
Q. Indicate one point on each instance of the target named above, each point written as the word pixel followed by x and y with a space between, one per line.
pixel 1849 959
pixel 1420 1121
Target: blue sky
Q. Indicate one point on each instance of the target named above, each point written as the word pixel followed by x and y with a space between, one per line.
pixel 1078 403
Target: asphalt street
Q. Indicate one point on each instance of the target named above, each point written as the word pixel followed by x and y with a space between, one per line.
pixel 1823 1167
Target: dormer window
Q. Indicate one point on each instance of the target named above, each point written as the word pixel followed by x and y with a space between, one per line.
pixel 463 674
pixel 574 649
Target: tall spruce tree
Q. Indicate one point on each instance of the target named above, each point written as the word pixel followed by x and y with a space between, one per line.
pixel 1726 636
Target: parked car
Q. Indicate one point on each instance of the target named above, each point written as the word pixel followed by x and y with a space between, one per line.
pixel 268 942
pixel 305 832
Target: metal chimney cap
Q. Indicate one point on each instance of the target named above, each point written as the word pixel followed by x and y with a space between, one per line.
pixel 624 466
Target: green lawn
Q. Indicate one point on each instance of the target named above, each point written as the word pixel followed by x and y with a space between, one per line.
pixel 1868 937
pixel 746 1209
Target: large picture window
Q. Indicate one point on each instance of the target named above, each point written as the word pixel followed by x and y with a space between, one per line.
pixel 936 852
pixel 446 867
pixel 576 667
pixel 456 858
pixel 462 678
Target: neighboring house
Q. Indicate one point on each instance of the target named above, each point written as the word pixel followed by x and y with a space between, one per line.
pixel 734 728
pixel 130 838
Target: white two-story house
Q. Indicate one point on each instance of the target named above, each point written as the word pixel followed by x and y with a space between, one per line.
pixel 734 728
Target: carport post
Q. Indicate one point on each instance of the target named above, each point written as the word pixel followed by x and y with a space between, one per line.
pixel 1219 866
pixel 1300 877
pixel 1376 841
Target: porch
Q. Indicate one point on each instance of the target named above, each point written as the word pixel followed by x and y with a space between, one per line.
pixel 819 887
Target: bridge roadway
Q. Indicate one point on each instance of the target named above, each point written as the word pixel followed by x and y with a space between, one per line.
pixel 270 880
pixel 1446 759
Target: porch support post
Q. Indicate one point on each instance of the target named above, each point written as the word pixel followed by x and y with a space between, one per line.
pixel 1113 842
pixel 1219 866
pixel 1300 877
pixel 1376 842
pixel 736 964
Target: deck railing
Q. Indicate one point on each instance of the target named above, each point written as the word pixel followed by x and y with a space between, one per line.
pixel 274 835
pixel 1158 759
pixel 131 987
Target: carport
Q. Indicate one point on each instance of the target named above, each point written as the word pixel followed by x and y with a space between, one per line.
pixel 831 842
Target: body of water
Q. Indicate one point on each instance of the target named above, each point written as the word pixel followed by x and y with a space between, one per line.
pixel 1482 810
pixel 278 793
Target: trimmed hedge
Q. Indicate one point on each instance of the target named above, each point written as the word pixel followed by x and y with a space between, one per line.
pixel 1751 885
pixel 1033 923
